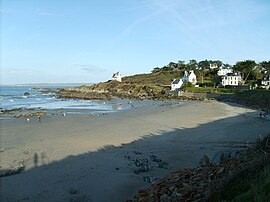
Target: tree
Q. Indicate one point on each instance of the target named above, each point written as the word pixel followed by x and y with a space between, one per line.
pixel 245 68
pixel 172 64
pixel 204 65
pixel 226 65
pixel 181 65
pixel 265 65
pixel 192 65
pixel 217 62
pixel 156 69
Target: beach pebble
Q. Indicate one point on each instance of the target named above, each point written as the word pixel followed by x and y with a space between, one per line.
pixel 72 191
pixel 2 149
pixel 150 179
pixel 137 153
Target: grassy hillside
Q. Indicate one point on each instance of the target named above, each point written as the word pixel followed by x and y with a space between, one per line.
pixel 252 184
pixel 259 99
pixel 158 78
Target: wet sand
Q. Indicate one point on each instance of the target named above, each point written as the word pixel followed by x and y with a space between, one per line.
pixel 93 158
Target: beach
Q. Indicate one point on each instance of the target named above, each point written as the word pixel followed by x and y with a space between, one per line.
pixel 85 157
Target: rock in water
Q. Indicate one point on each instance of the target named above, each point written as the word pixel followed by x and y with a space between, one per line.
pixel 26 94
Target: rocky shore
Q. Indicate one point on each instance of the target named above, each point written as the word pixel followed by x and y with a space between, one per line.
pixel 105 91
pixel 198 184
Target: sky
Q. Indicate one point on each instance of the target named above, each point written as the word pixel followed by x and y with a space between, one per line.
pixel 86 41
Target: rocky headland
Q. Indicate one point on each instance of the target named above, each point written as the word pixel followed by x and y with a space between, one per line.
pixel 107 90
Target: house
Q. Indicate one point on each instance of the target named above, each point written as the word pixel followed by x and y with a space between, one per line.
pixel 213 66
pixel 185 77
pixel 176 84
pixel 224 70
pixel 117 77
pixel 231 79
pixel 266 80
pixel 191 77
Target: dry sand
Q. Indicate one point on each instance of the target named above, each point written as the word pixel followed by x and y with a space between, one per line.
pixel 90 158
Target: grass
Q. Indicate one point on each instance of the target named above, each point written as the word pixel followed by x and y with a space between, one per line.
pixel 259 99
pixel 211 90
pixel 253 183
pixel 247 186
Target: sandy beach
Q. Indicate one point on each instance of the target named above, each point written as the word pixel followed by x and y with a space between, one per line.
pixel 93 158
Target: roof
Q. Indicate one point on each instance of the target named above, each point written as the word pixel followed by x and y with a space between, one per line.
pixel 116 74
pixel 176 81
pixel 232 74
pixel 266 77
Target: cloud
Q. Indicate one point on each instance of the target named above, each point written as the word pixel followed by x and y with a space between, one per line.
pixel 90 68
pixel 47 13
pixel 5 10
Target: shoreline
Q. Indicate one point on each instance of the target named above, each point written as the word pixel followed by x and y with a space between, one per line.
pixel 94 151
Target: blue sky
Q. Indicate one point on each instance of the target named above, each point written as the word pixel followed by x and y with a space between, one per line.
pixel 63 41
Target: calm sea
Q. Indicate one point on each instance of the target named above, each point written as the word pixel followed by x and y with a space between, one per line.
pixel 13 97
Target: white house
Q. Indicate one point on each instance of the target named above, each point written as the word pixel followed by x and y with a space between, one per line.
pixel 176 84
pixel 266 80
pixel 191 77
pixel 223 71
pixel 213 66
pixel 117 77
pixel 231 79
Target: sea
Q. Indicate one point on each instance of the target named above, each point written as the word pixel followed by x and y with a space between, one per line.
pixel 12 97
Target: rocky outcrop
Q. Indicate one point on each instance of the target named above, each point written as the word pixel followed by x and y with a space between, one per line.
pixel 40 114
pixel 10 111
pixel 11 171
pixel 85 94
pixel 198 184
pixel 26 93
pixel 104 91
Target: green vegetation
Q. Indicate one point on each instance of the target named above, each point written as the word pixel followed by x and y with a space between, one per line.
pixel 156 78
pixel 253 183
pixel 155 85
pixel 250 71
pixel 259 99
pixel 247 186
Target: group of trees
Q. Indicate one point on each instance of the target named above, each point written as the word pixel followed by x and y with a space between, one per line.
pixel 249 69
pixel 191 65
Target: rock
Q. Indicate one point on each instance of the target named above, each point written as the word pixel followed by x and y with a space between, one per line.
pixel 205 161
pixel 73 191
pixel 221 170
pixel 164 198
pixel 2 149
pixel 26 94
pixel 8 172
pixel 221 156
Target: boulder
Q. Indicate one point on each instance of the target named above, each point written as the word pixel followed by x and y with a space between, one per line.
pixel 26 94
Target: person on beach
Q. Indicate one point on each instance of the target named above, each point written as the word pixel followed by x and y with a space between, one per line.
pixel 27 119
pixel 39 118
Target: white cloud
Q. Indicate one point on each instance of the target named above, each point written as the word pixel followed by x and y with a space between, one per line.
pixel 47 13
pixel 90 68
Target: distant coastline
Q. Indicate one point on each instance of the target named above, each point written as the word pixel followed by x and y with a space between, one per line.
pixel 48 84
